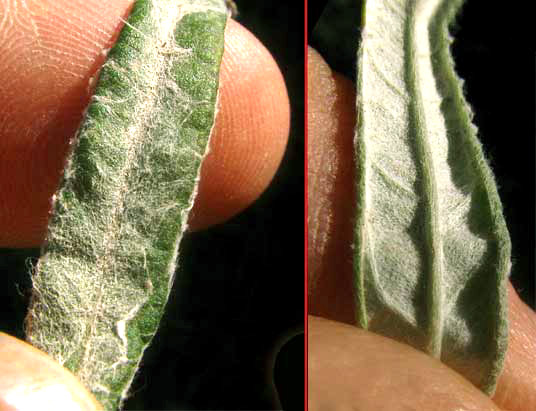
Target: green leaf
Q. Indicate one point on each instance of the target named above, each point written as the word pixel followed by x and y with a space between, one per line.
pixel 432 248
pixel 102 282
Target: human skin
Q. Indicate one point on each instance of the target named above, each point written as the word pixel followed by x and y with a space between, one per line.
pixel 50 49
pixel 349 367
pixel 49 53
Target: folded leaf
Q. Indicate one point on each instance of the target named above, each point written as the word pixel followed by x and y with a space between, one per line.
pixel 105 273
pixel 432 248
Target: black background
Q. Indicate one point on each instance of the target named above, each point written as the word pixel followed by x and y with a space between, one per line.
pixel 239 291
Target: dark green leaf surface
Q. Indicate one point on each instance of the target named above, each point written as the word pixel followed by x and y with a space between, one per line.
pixel 102 282
pixel 432 248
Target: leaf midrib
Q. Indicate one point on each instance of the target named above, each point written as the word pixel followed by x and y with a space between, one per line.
pixel 145 103
pixel 414 41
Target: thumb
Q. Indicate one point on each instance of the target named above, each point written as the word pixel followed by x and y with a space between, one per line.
pixel 31 380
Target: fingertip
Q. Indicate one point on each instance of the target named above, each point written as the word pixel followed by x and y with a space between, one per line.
pixel 247 146
pixel 379 373
pixel 31 380
pixel 46 85
pixel 516 385
pixel 331 176
pixel 250 132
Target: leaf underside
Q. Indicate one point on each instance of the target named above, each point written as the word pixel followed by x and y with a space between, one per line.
pixel 105 273
pixel 432 248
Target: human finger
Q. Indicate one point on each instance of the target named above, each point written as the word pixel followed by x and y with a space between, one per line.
pixel 516 387
pixel 250 134
pixel 31 380
pixel 331 191
pixel 50 52
pixel 349 367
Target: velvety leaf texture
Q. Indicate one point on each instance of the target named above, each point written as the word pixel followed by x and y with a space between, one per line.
pixel 101 284
pixel 432 248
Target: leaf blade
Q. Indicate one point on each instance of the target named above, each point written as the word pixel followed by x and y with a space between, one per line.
pixel 453 230
pixel 105 273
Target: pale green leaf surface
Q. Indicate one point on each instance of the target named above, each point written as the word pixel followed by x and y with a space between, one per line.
pixel 432 248
pixel 105 273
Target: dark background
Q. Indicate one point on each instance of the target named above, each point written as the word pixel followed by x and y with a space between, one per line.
pixel 499 72
pixel 239 291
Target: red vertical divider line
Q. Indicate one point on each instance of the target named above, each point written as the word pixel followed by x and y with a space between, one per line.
pixel 305 308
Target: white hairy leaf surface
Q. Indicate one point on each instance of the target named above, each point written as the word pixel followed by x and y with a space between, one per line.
pixel 432 248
